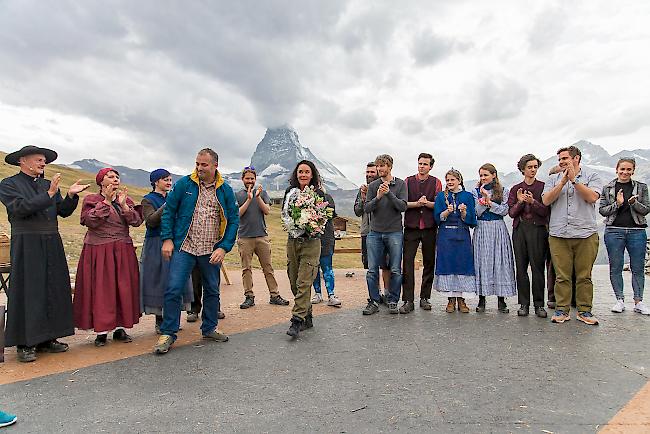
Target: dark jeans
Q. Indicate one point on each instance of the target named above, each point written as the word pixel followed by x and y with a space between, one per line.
pixel 197 286
pixel 530 244
pixel 378 244
pixel 616 241
pixel 180 269
pixel 412 239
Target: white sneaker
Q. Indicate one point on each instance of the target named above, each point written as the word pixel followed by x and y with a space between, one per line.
pixel 642 308
pixel 317 298
pixel 334 301
pixel 619 306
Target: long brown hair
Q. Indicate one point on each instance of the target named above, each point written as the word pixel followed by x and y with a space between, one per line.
pixel 497 190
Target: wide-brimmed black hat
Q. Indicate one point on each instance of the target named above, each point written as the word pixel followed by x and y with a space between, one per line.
pixel 13 158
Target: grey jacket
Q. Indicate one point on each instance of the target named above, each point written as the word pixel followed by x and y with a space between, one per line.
pixel 365 217
pixel 386 213
pixel 609 208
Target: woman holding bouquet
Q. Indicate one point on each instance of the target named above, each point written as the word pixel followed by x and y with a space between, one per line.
pixel 304 214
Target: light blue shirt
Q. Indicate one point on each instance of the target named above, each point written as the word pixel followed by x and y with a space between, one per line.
pixel 571 215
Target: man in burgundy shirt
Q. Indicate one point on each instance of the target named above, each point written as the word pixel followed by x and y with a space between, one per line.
pixel 529 234
pixel 419 226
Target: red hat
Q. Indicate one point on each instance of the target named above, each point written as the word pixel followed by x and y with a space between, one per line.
pixel 102 173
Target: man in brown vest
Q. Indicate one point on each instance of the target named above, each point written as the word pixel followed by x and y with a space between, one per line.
pixel 419 227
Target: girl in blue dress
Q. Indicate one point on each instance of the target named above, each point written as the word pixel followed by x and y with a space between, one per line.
pixel 454 211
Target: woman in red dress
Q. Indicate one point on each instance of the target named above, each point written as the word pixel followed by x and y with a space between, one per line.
pixel 107 287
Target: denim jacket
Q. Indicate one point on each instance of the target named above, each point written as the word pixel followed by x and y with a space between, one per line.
pixel 609 208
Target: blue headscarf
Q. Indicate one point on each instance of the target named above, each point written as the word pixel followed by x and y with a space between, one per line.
pixel 158 174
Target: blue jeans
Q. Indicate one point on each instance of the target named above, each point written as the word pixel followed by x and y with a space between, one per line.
pixel 180 270
pixel 328 275
pixel 380 243
pixel 616 241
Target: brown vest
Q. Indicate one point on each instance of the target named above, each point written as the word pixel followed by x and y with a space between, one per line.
pixel 416 189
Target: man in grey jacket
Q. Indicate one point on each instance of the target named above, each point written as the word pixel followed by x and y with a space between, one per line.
pixel 385 202
pixel 371 175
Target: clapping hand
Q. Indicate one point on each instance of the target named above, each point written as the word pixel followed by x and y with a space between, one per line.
pixel 54 184
pixel 121 198
pixel 619 198
pixel 77 188
pixel 528 197
pixel 521 196
pixel 383 189
pixel 249 191
pixel 258 191
pixel 463 209
pixel 109 192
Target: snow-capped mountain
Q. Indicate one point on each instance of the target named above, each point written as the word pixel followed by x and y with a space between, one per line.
pixel 277 154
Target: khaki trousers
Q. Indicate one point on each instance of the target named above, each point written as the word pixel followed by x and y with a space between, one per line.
pixel 569 254
pixel 260 246
pixel 303 255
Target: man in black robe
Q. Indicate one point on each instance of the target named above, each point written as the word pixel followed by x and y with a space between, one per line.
pixel 39 308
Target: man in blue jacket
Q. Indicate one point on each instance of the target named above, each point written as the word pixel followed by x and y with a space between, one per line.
pixel 198 227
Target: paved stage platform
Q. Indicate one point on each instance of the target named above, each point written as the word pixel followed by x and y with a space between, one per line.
pixel 422 372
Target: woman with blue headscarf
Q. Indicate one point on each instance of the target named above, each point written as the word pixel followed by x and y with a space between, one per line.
pixel 153 268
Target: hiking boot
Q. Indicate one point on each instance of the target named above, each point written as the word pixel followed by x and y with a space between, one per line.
pixel 121 336
pixel 26 354
pixel 248 302
pixel 425 304
pixel 163 344
pixel 587 318
pixel 462 307
pixel 540 312
pixel 371 308
pixel 560 316
pixel 392 308
pixel 641 308
pixel 523 310
pixel 619 306
pixel 481 304
pixel 407 307
pixel 216 336
pixel 52 346
pixel 192 316
pixel 308 322
pixel 100 340
pixel 317 298
pixel 278 300
pixel 333 301
pixel 294 328
pixel 7 419
pixel 451 305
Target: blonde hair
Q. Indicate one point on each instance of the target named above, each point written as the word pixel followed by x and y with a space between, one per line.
pixel 384 159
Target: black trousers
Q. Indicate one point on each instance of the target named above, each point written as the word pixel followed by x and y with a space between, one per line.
pixel 412 240
pixel 530 244
pixel 197 285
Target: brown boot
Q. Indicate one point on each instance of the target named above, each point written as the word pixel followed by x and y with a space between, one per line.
pixel 462 306
pixel 451 305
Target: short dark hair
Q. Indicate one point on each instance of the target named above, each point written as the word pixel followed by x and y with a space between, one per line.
pixel 521 164
pixel 427 155
pixel 572 150
pixel 213 154
pixel 315 178
pixel 371 164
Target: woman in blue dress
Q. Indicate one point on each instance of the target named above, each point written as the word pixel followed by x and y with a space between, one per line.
pixel 153 269
pixel 493 257
pixel 454 212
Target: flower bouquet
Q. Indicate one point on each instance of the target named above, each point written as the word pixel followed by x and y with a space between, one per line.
pixel 305 213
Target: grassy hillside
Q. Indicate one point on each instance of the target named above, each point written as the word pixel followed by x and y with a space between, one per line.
pixel 73 233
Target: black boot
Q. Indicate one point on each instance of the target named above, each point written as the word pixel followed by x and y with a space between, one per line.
pixel 308 322
pixel 248 302
pixel 481 304
pixel 294 329
pixel 503 307
pixel 523 310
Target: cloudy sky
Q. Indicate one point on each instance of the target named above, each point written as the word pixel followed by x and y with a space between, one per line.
pixel 147 83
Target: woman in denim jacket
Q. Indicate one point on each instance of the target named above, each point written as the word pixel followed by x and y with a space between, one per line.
pixel 624 203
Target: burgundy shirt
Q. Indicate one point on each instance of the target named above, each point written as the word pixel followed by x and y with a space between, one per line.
pixel 421 218
pixel 536 213
pixel 105 223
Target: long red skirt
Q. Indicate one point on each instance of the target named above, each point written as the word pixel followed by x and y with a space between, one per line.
pixel 107 287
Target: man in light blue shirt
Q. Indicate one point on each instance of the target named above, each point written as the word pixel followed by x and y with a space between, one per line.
pixel 573 238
